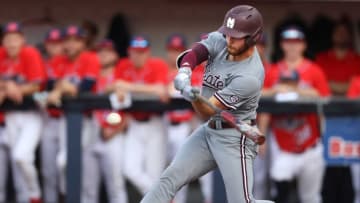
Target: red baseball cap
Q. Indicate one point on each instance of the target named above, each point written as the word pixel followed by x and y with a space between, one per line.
pixel 74 31
pixel 12 27
pixel 54 35
pixel 176 42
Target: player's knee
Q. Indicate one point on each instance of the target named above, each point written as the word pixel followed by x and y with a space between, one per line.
pixel 173 177
pixel 21 159
pixel 61 161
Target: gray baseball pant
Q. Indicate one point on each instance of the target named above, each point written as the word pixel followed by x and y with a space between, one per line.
pixel 203 151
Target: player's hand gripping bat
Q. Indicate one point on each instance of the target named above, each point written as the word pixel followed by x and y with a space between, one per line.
pixel 249 131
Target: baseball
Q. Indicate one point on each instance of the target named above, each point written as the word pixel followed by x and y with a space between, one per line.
pixel 113 118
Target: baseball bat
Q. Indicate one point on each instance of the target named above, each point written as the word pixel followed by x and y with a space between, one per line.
pixel 242 127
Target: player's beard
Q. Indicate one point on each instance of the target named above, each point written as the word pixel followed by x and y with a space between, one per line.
pixel 236 52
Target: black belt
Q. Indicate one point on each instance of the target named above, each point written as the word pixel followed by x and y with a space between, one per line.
pixel 143 120
pixel 225 125
pixel 175 123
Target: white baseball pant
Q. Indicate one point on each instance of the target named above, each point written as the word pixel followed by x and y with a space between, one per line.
pixel 23 129
pixel 4 166
pixel 307 168
pixel 145 148
pixel 107 159
pixel 356 181
pixel 49 149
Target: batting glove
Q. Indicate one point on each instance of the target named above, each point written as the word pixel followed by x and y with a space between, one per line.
pixel 182 79
pixel 189 93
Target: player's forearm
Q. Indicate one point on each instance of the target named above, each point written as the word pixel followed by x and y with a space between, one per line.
pixel 339 88
pixel 64 87
pixel 2 85
pixel 119 84
pixel 195 56
pixel 307 92
pixel 29 89
pixel 264 122
pixel 268 92
pixel 203 110
pixel 143 89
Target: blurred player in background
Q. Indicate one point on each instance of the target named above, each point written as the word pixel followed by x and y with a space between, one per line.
pixel 340 64
pixel 145 143
pixel 297 152
pixel 181 122
pixel 4 151
pixel 81 70
pixel 354 93
pixel 50 142
pixel 22 73
pixel 108 151
pixel 4 154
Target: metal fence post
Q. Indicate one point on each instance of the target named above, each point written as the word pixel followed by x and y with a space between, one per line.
pixel 74 161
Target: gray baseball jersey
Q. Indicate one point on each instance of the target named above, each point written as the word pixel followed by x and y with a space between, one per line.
pixel 237 85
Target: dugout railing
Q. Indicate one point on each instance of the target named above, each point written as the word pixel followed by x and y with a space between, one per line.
pixel 74 107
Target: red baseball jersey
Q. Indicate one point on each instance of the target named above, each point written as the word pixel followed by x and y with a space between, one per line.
pixel 296 132
pixel 354 88
pixel 27 67
pixel 196 80
pixel 55 67
pixel 86 65
pixel 339 70
pixel 155 71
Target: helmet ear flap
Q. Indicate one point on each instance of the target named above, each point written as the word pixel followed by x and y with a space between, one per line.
pixel 252 39
pixel 249 41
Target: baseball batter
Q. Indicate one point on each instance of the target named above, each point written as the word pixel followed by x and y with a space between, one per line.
pixel 233 81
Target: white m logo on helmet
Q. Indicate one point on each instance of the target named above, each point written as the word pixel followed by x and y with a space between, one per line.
pixel 230 23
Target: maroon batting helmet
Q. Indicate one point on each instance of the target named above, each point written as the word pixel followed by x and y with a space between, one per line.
pixel 243 21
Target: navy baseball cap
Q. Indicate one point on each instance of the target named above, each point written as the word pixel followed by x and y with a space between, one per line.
pixel 12 27
pixel 74 31
pixel 54 35
pixel 105 44
pixel 176 42
pixel 289 76
pixel 292 33
pixel 140 43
